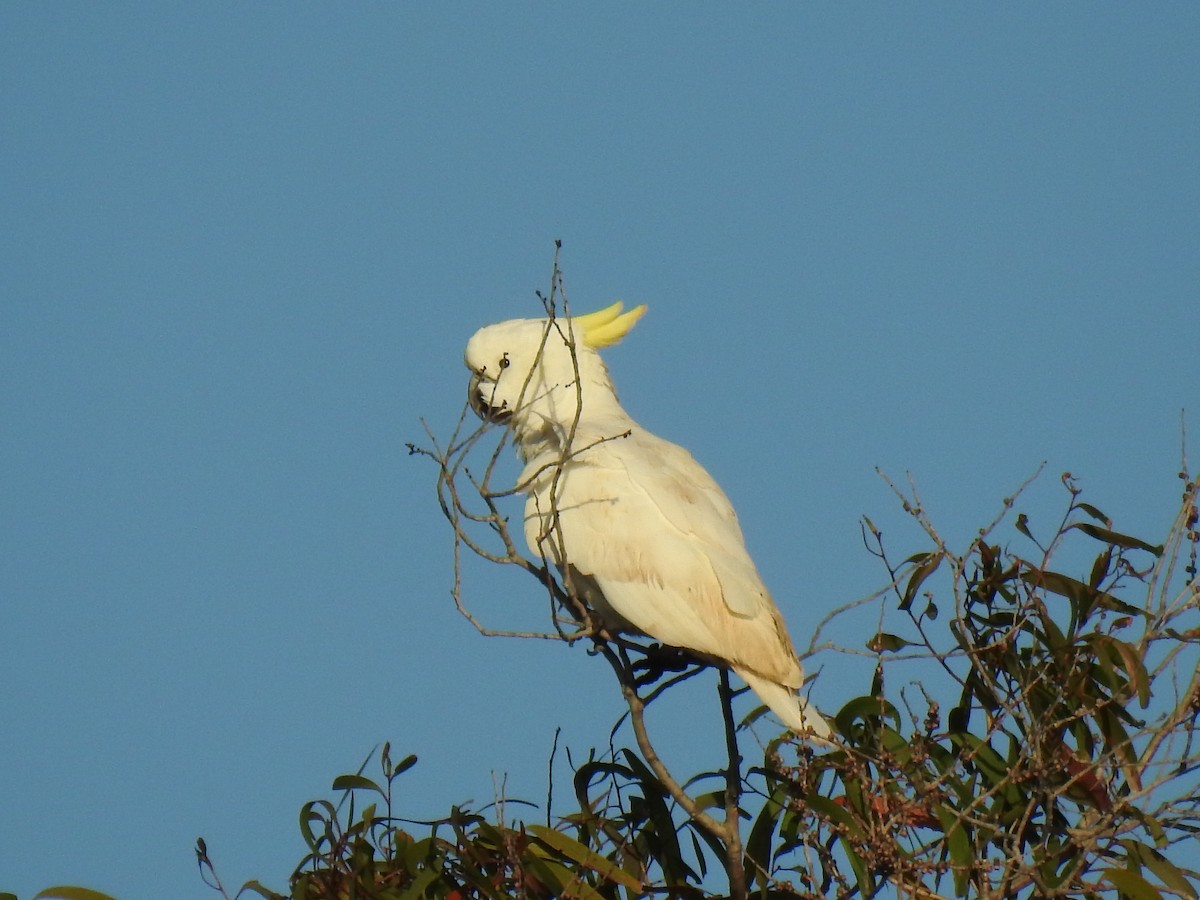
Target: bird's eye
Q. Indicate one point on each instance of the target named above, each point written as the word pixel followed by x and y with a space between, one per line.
pixel 505 362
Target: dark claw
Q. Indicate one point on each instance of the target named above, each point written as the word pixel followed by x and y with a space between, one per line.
pixel 659 661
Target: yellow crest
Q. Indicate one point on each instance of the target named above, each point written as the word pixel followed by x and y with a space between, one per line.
pixel 607 326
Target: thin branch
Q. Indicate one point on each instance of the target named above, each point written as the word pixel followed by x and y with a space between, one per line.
pixel 733 794
pixel 637 719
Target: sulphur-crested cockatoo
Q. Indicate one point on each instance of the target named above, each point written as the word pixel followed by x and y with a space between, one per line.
pixel 652 544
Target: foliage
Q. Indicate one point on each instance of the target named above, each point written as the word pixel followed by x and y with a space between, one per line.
pixel 1053 755
pixel 1063 764
pixel 623 830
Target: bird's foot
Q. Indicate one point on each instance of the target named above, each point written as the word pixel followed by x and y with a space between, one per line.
pixel 659 660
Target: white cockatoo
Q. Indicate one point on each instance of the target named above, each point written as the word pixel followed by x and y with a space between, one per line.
pixel 650 541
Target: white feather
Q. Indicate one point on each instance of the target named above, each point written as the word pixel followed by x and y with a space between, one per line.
pixel 657 541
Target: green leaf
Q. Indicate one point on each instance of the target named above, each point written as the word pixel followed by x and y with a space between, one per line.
pixel 958 842
pixel 356 783
pixel 1084 598
pixel 653 793
pixel 585 856
pixel 701 861
pixel 988 762
pixel 1153 826
pixel 762 834
pixel 1093 512
pixel 262 891
pixel 1132 885
pixel 836 813
pixel 561 881
pixel 590 771
pixel 1120 540
pixel 927 564
pixel 1167 872
pixel 1100 568
pixel 882 642
pixel 417 889
pixel 552 877
pixel 309 814
pixel 865 708
pixel 1106 661
pixel 1135 669
pixel 70 893
pixel 367 817
pixel 713 800
pixel 1116 738
pixel 405 764
pixel 1023 526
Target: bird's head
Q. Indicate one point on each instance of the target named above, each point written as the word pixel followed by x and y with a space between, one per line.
pixel 532 371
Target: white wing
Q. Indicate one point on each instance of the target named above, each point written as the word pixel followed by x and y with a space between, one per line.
pixel 649 525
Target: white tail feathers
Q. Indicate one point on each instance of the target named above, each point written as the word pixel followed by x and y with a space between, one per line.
pixel 791 708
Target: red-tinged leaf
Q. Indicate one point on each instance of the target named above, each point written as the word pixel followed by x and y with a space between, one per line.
pixel 890 806
pixel 1084 776
pixel 919 817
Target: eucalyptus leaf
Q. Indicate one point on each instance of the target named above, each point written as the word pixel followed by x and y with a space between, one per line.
pixel 1132 885
pixel 356 783
pixel 1117 539
pixel 882 642
pixel 585 856
pixel 70 893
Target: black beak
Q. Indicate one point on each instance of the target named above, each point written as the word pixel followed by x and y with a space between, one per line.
pixel 480 405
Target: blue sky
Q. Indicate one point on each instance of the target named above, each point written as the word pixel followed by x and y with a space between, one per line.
pixel 245 244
